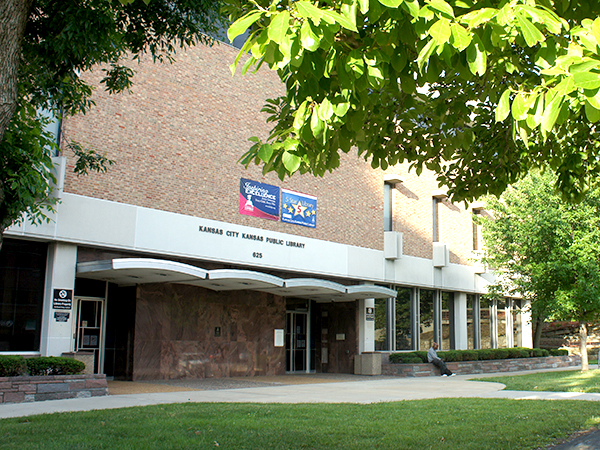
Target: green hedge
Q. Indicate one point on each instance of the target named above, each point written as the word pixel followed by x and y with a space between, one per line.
pixel 475 355
pixel 12 366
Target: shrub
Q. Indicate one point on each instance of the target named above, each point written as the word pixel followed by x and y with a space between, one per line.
pixel 539 352
pixel 485 353
pixel 519 352
pixel 422 355
pixel 54 365
pixel 469 355
pixel 451 355
pixel 560 352
pixel 405 358
pixel 12 366
pixel 501 353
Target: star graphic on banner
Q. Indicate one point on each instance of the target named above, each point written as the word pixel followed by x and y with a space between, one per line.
pixel 299 209
pixel 290 209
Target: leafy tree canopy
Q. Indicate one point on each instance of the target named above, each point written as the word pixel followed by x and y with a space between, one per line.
pixel 44 46
pixel 478 91
pixel 546 250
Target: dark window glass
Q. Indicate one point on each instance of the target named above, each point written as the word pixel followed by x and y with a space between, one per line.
pixel 22 275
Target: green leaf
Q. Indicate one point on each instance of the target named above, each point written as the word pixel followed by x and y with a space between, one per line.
pixel 316 124
pixel 596 30
pixel 325 110
pixel 592 113
pixel 300 116
pixel 440 31
pixel 587 80
pixel 551 113
pixel 241 25
pixel 399 59
pixel 425 53
pixel 309 39
pixel 441 6
pixel 461 38
pixel 364 6
pixel 529 31
pixel 503 108
pixel 391 3
pixel 309 11
pixel 412 7
pixel 519 107
pixel 279 26
pixel 265 152
pixel 477 58
pixel 290 161
pixel 477 17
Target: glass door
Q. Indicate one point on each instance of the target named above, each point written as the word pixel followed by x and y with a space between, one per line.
pixel 296 339
pixel 89 333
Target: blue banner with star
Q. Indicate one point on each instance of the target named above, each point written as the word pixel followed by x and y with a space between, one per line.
pixel 299 209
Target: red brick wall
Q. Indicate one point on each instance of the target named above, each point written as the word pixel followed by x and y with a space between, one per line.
pixel 177 137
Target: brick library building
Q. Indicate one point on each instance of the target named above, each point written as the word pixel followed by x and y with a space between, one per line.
pixel 178 262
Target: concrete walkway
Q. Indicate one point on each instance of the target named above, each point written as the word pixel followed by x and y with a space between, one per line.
pixel 310 388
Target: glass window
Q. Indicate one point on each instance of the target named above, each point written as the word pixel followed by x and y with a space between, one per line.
pixel 470 322
pixel 426 325
pixel 485 322
pixel 436 219
pixel 516 323
pixel 447 321
pixel 382 325
pixel 22 275
pixel 502 341
pixel 404 339
pixel 388 217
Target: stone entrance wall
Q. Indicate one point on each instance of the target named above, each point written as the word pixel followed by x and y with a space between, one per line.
pixel 53 387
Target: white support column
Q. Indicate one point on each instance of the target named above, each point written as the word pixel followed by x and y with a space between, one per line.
pixel 526 325
pixel 366 325
pixel 460 324
pixel 56 336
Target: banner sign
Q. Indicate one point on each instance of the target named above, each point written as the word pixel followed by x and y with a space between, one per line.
pixel 299 209
pixel 259 200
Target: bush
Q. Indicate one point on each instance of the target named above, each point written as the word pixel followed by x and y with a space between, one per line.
pixel 559 352
pixel 539 352
pixel 406 358
pixel 485 353
pixel 12 366
pixel 469 355
pixel 54 365
pixel 475 355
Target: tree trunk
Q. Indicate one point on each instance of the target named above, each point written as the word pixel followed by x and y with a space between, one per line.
pixel 583 346
pixel 537 332
pixel 13 18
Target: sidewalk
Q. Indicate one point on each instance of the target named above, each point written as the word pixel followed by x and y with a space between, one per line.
pixel 308 388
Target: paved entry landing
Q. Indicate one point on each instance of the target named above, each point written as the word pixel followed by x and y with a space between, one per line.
pixel 209 384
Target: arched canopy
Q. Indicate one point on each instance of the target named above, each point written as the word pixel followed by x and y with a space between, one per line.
pixel 132 271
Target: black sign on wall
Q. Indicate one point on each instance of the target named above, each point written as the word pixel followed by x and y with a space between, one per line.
pixel 62 299
pixel 370 314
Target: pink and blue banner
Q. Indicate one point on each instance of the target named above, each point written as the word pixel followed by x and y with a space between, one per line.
pixel 259 199
pixel 299 209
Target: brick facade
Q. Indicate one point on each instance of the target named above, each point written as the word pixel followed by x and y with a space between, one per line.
pixel 177 137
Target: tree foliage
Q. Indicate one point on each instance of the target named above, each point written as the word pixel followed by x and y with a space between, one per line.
pixel 60 40
pixel 545 249
pixel 478 91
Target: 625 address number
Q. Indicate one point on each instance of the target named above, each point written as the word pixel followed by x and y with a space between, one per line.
pixel 257 255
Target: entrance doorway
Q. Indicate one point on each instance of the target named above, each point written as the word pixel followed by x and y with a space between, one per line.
pixel 89 332
pixel 297 356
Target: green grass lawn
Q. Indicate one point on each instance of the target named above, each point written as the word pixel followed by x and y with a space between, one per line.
pixel 563 381
pixel 453 424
